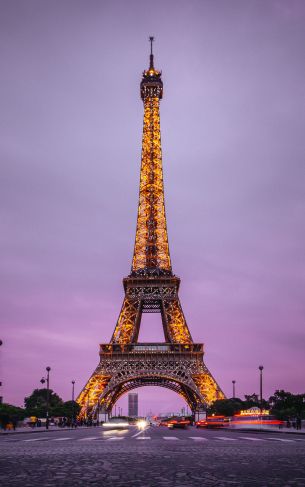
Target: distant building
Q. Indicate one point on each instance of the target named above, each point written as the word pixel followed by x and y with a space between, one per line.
pixel 133 405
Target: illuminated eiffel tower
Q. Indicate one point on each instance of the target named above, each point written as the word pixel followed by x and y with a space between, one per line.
pixel 151 287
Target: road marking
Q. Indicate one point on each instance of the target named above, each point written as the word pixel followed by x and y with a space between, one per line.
pixel 224 438
pixel 170 438
pixel 38 439
pixel 115 438
pixel 144 438
pixel 89 438
pixel 281 439
pixel 251 439
pixel 60 439
pixel 138 433
pixel 299 439
pixel 197 438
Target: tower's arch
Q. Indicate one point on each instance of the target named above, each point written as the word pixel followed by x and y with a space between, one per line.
pixel 188 393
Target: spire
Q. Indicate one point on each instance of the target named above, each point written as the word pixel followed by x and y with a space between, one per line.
pixel 151 57
pixel 151 84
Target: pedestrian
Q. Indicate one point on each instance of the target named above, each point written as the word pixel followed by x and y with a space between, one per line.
pixel 14 422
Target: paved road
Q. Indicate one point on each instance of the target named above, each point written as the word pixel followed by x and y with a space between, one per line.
pixel 154 457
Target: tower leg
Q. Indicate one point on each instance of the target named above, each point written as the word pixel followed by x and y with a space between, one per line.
pixel 127 327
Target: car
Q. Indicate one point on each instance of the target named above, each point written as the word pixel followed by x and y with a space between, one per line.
pixel 115 423
pixel 163 423
pixel 211 422
pixel 178 423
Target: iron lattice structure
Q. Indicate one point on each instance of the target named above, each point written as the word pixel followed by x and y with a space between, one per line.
pixel 151 287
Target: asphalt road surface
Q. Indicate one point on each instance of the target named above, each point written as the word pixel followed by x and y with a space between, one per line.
pixel 154 457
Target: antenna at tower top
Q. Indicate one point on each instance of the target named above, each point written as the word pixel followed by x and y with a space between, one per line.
pixel 151 40
pixel 151 57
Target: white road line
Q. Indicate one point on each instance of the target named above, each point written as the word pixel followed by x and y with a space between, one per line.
pixel 60 439
pixel 38 439
pixel 115 438
pixel 138 433
pixel 144 438
pixel 299 439
pixel 251 439
pixel 224 438
pixel 89 438
pixel 170 438
pixel 198 438
pixel 281 439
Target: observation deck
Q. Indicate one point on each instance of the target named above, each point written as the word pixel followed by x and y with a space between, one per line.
pixel 137 349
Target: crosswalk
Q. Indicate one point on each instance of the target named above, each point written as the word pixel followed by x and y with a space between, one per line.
pixel 225 438
pixel 144 437
pixel 198 438
pixel 60 439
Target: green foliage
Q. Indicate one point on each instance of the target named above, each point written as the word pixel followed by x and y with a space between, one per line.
pixel 287 405
pixel 226 407
pixel 282 404
pixel 36 404
pixel 252 400
pixel 10 414
pixel 71 409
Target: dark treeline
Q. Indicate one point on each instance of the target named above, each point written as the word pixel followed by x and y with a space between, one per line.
pixel 36 405
pixel 284 405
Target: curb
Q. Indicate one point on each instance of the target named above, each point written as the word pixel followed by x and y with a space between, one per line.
pixel 42 430
pixel 253 430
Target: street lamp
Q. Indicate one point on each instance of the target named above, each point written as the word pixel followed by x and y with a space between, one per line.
pixel 43 380
pixel 72 419
pixel 233 382
pixel 261 368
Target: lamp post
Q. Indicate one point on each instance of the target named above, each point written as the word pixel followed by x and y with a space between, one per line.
pixel 72 419
pixel 43 380
pixel 233 382
pixel 261 368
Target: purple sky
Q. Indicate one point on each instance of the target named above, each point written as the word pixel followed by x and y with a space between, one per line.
pixel 232 120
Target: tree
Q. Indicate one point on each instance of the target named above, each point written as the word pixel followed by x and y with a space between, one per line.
pixel 226 407
pixel 36 403
pixel 286 405
pixel 71 409
pixel 252 400
pixel 10 414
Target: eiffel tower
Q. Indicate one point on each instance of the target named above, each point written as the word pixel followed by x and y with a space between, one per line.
pixel 151 287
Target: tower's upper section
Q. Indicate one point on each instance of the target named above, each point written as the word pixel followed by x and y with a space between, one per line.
pixel 151 252
pixel 151 84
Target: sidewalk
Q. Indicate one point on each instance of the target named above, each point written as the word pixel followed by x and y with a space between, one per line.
pixel 289 431
pixel 52 429
pixel 42 429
